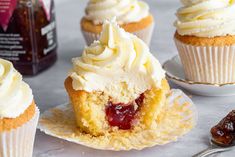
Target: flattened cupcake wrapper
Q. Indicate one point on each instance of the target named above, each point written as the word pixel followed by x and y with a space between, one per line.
pixel 208 64
pixel 144 34
pixel 178 118
pixel 19 142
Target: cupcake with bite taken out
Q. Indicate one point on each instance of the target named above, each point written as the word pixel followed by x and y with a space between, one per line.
pixel 205 39
pixel 116 85
pixel 132 15
pixel 18 113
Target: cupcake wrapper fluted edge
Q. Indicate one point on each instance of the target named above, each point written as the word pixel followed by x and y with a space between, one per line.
pixel 207 64
pixel 144 34
pixel 19 142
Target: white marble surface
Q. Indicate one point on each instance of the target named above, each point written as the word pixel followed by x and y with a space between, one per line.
pixel 49 91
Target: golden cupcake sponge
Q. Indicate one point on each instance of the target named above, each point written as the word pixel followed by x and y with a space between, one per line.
pixel 90 108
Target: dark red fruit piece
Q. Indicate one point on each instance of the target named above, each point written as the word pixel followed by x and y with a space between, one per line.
pixel 122 115
pixel 224 132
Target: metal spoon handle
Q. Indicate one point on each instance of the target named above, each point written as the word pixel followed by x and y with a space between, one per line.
pixel 210 151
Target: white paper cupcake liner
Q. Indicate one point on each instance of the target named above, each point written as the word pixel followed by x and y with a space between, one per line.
pixel 177 119
pixel 19 142
pixel 144 34
pixel 208 64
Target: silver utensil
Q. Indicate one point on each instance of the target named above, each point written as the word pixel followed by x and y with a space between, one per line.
pixel 214 148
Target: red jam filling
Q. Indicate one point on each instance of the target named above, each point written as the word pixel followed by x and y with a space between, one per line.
pixel 122 115
pixel 224 132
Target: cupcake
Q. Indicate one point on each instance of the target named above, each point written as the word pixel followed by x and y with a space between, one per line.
pixel 116 85
pixel 18 113
pixel 205 39
pixel 132 15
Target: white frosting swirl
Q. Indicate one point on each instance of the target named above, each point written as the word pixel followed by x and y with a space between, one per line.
pixel 206 18
pixel 118 57
pixel 15 95
pixel 126 11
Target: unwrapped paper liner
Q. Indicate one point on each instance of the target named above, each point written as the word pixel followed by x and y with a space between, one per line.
pixel 179 118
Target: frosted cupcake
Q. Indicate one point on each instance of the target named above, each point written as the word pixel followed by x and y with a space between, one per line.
pixel 117 84
pixel 18 114
pixel 205 39
pixel 132 15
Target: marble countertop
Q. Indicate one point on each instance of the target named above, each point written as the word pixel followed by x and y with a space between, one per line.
pixel 49 91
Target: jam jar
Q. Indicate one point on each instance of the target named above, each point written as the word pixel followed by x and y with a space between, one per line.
pixel 28 34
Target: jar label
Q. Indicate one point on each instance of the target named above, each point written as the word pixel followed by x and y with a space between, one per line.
pixel 46 4
pixel 7 8
pixel 30 39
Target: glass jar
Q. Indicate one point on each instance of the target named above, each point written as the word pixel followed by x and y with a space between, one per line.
pixel 28 34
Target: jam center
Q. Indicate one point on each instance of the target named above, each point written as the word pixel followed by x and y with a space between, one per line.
pixel 122 115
